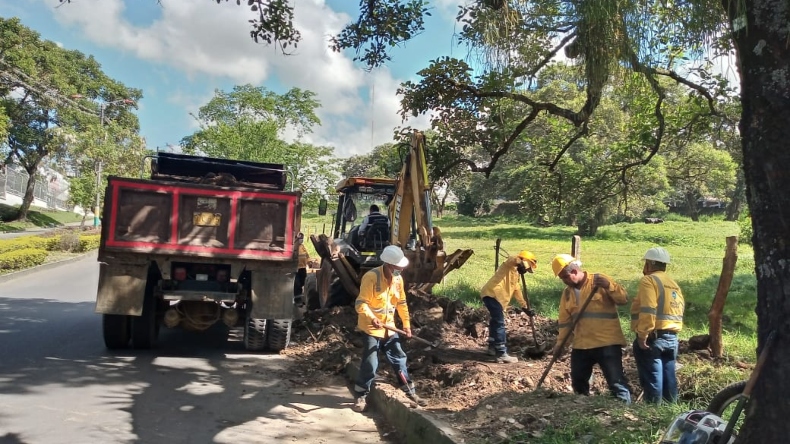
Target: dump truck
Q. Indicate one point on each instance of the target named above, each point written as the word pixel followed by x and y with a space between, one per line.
pixel 346 256
pixel 202 241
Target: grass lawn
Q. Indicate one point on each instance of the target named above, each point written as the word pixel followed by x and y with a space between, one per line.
pixel 37 217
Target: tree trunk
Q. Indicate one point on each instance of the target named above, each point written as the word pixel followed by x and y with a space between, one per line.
pixel 717 308
pixel 30 189
pixel 734 207
pixel 764 63
pixel 691 204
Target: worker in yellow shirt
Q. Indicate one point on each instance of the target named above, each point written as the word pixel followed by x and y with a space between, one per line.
pixel 657 318
pixel 381 295
pixel 301 269
pixel 597 337
pixel 497 293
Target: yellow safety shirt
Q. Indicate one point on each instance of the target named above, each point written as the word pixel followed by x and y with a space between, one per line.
pixel 505 284
pixel 599 325
pixel 380 299
pixel 658 305
pixel 304 256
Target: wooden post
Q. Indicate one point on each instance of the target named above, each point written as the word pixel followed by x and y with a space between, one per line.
pixel 576 246
pixel 717 308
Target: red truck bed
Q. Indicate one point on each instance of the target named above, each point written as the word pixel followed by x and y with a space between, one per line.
pixel 202 220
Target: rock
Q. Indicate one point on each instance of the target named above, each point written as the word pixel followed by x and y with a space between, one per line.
pixel 699 342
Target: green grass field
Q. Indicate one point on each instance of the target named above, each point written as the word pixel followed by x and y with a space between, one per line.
pixel 37 217
pixel 697 250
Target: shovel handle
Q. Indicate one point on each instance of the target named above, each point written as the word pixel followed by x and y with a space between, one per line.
pixel 565 339
pixel 401 332
pixel 529 307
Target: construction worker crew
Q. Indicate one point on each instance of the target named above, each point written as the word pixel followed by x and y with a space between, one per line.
pixel 497 293
pixel 381 295
pixel 597 337
pixel 656 318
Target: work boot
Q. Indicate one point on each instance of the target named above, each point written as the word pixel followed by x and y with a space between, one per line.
pixel 504 358
pixel 491 350
pixel 420 402
pixel 360 404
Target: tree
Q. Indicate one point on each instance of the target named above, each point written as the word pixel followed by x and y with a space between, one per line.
pixel 37 79
pixel 248 123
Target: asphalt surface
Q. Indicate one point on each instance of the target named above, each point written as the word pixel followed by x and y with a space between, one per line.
pixel 58 384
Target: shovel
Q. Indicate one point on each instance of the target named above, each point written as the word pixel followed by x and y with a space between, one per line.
pixel 538 351
pixel 434 344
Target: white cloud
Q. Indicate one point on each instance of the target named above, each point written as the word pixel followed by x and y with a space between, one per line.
pixel 202 39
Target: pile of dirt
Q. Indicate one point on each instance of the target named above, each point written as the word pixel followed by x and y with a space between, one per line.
pixel 460 381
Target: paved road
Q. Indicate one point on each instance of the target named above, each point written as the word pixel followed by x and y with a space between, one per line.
pixel 58 384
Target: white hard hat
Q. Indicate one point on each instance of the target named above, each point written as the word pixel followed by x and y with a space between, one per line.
pixel 657 254
pixel 393 255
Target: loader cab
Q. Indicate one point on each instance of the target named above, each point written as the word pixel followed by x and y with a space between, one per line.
pixel 356 195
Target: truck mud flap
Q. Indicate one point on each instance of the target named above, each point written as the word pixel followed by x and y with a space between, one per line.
pixel 121 288
pixel 272 294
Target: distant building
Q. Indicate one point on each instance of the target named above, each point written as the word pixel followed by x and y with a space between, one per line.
pixel 51 189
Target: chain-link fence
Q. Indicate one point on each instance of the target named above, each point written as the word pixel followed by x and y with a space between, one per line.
pixel 53 191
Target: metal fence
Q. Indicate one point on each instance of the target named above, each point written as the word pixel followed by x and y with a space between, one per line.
pixel 53 191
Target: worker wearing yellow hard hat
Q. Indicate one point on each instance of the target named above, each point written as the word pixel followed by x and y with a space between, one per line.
pixel 497 293
pixel 597 336
pixel 657 318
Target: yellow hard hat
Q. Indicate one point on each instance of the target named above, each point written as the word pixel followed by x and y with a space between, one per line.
pixel 561 261
pixel 529 258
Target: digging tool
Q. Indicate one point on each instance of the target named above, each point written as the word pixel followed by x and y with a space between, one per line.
pixel 434 344
pixel 565 340
pixel 538 351
pixel 747 390
pixel 496 255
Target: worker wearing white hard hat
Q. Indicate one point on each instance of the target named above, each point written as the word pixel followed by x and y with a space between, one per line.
pixel 381 295
pixel 657 318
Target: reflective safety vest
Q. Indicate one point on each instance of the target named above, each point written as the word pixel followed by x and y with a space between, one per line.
pixel 381 300
pixel 659 305
pixel 599 325
pixel 304 256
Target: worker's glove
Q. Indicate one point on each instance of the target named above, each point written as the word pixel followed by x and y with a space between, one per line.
pixel 601 282
pixel 521 268
pixel 528 311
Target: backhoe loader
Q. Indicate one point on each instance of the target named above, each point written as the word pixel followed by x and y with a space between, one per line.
pixel 347 255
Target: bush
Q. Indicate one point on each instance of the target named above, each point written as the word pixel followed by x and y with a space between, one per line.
pixel 89 242
pixel 69 242
pixel 24 258
pixel 745 228
pixel 25 242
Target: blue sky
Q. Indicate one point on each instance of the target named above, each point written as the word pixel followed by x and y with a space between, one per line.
pixel 179 53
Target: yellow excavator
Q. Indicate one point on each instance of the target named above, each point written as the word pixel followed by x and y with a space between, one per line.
pixel 347 255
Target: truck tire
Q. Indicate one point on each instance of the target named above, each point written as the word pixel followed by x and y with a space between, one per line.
pixel 311 297
pixel 254 331
pixel 279 335
pixel 116 330
pixel 144 327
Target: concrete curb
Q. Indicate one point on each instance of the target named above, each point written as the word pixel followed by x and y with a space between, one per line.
pixel 416 426
pixel 42 267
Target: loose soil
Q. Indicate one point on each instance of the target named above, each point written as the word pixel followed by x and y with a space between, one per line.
pixel 462 384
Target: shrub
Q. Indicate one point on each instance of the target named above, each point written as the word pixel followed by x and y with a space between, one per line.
pixel 24 258
pixel 745 228
pixel 89 242
pixel 24 242
pixel 69 241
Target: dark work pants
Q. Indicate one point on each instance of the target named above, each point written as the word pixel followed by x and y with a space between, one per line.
pixel 497 336
pixel 301 275
pixel 610 359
